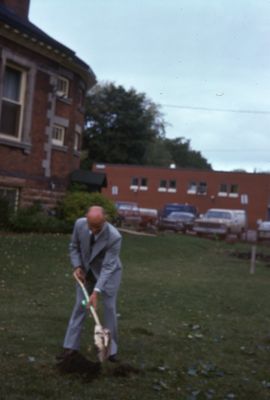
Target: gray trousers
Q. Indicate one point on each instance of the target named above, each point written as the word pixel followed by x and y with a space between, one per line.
pixel 73 333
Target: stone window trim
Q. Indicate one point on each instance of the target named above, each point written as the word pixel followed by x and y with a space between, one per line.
pixel 26 147
pixel 77 141
pixel 67 101
pixel 56 147
pixel 12 58
pixel 57 120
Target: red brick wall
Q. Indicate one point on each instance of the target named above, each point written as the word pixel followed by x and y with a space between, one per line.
pixel 256 186
pixel 27 164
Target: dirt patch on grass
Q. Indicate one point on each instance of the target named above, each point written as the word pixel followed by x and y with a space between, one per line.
pixel 79 365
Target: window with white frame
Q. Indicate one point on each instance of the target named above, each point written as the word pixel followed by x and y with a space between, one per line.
pixel 144 184
pixel 172 186
pixel 162 185
pixel 134 184
pixel 62 87
pixel 202 188
pixel 12 104
pixel 138 183
pixel 223 190
pixel 233 190
pixel 192 188
pixel 58 135
pixel 77 141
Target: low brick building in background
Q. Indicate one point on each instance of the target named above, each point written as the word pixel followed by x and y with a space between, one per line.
pixel 152 187
pixel 42 89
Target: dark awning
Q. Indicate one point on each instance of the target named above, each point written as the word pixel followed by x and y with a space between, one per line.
pixel 91 179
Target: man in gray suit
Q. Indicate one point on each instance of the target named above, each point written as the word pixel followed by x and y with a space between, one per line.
pixel 94 253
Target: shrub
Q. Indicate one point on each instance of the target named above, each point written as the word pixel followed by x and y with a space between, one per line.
pixel 5 212
pixel 39 222
pixel 75 205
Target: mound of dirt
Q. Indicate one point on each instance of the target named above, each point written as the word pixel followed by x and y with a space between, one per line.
pixel 125 370
pixel 79 364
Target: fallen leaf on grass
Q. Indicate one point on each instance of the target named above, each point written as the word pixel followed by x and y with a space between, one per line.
pixel 207 369
pixel 159 385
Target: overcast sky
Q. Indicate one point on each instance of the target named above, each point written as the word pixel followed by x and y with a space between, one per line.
pixel 206 62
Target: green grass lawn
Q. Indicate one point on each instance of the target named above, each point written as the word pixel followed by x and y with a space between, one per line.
pixel 193 321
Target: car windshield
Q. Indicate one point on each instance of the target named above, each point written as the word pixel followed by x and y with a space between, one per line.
pixel 180 215
pixel 218 214
pixel 265 225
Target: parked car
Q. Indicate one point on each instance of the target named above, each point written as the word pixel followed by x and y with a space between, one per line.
pixel 263 230
pixel 127 213
pixel 177 207
pixel 221 222
pixel 148 217
pixel 176 221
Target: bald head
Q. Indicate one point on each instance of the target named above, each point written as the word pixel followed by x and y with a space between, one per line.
pixel 95 218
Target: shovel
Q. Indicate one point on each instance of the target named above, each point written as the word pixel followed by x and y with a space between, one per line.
pixel 102 336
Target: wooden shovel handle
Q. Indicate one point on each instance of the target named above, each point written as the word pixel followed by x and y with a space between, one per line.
pixel 93 311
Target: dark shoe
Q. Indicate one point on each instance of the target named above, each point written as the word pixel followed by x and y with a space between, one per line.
pixel 66 353
pixel 113 358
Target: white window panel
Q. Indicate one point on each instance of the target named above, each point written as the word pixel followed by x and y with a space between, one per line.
pixel 62 88
pixel 12 103
pixel 58 135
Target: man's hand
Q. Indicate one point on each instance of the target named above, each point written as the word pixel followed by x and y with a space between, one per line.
pixel 93 300
pixel 80 274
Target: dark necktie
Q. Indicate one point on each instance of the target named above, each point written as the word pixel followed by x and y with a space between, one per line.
pixel 92 240
pixel 89 276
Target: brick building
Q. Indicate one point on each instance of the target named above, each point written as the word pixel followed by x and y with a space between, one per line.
pixel 42 90
pixel 152 187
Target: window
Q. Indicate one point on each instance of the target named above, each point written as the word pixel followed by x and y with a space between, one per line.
pixel 192 188
pixel 58 135
pixel 172 186
pixel 202 188
pixel 134 181
pixel 12 102
pixel 144 184
pixel 138 183
pixel 77 141
pixel 114 190
pixel 223 190
pixel 197 188
pixel 233 190
pixel 62 87
pixel 162 185
pixel 11 195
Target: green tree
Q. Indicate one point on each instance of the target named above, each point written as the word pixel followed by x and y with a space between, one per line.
pixel 159 154
pixel 121 125
pixel 183 156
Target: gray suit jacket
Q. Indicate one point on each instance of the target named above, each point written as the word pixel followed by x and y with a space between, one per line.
pixel 103 259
